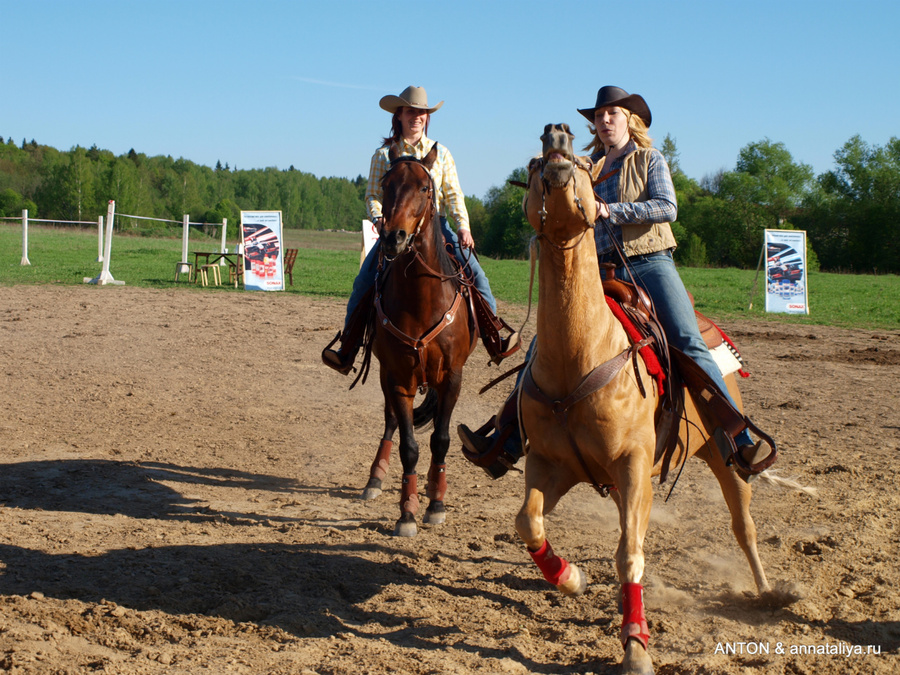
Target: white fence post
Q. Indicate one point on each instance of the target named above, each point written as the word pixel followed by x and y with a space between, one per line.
pixel 99 238
pixel 25 260
pixel 224 248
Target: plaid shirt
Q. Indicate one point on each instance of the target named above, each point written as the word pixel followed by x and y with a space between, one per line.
pixel 660 207
pixel 450 198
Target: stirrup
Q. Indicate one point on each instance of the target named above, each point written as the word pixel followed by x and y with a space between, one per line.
pixel 334 360
pixel 735 457
pixel 488 452
pixel 508 346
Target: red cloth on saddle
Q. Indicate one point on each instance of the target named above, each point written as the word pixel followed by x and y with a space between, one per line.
pixel 650 359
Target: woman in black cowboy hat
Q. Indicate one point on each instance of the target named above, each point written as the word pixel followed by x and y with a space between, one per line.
pixel 636 204
pixel 411 115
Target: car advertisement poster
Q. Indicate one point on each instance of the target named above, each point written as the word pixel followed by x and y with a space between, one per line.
pixel 786 272
pixel 263 262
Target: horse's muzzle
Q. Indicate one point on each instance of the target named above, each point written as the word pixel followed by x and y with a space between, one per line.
pixel 558 154
pixel 394 243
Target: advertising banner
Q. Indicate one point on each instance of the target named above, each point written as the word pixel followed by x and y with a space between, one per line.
pixel 369 237
pixel 263 262
pixel 786 272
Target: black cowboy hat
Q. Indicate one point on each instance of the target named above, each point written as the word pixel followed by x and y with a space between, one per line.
pixel 617 96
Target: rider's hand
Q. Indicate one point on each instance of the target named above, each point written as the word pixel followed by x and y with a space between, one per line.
pixel 465 239
pixel 602 209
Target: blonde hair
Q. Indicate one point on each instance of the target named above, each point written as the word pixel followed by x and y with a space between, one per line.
pixel 637 130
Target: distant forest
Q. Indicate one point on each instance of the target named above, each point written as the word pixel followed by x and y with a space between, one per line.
pixel 77 185
pixel 851 213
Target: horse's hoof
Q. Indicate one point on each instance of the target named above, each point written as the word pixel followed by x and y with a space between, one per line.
pixel 636 660
pixel 372 489
pixel 575 584
pixel 370 493
pixel 405 528
pixel 435 515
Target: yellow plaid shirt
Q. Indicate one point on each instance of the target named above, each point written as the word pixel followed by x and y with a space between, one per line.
pixel 450 199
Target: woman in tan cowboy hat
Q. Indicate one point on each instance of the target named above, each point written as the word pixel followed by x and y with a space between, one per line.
pixel 636 204
pixel 411 115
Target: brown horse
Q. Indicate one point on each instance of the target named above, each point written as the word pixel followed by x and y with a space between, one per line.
pixel 606 438
pixel 423 334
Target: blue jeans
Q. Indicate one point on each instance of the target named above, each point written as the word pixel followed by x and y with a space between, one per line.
pixel 657 274
pixel 365 279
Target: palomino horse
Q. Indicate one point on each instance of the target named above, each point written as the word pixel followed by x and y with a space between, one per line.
pixel 423 334
pixel 606 438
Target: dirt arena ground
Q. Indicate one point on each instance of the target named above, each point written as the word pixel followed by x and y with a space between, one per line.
pixel 179 493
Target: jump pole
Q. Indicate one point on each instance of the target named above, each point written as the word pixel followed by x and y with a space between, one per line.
pixel 99 238
pixel 25 260
pixel 105 277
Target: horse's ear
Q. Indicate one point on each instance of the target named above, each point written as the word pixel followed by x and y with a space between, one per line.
pixel 431 157
pixel 393 152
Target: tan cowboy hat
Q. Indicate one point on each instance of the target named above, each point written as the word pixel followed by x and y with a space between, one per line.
pixel 412 97
pixel 616 96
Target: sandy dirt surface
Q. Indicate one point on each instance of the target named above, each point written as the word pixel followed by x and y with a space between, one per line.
pixel 179 493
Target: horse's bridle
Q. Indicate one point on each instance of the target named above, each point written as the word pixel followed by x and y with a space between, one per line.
pixel 580 163
pixel 431 206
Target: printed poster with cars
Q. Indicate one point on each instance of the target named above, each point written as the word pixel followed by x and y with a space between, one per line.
pixel 263 262
pixel 786 272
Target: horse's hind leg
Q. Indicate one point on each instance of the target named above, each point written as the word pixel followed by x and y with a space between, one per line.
pixel 383 457
pixel 543 489
pixel 737 496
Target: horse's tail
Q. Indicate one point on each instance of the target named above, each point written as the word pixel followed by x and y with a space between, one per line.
pixel 424 413
pixel 770 477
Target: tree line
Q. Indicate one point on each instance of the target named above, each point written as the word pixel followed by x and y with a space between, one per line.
pixel 77 184
pixel 851 213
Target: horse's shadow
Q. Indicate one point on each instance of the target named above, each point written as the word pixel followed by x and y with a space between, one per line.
pixel 307 590
pixel 136 489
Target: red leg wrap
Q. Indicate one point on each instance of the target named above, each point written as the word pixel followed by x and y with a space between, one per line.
pixel 437 482
pixel 634 624
pixel 554 568
pixel 382 459
pixel 409 497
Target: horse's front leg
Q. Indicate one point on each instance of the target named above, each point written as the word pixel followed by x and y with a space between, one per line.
pixel 379 468
pixel 632 478
pixel 544 486
pixel 409 457
pixel 436 489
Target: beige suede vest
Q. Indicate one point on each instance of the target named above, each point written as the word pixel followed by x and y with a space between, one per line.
pixel 641 239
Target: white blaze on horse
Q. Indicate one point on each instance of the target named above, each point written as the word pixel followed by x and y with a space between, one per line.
pixel 604 436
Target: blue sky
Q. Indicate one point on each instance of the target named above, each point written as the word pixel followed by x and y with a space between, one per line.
pixel 276 83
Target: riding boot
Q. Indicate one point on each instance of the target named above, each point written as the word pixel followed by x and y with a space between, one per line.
pixel 351 339
pixel 489 326
pixel 497 445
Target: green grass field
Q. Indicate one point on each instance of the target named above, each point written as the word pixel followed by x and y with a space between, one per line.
pixel 327 263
